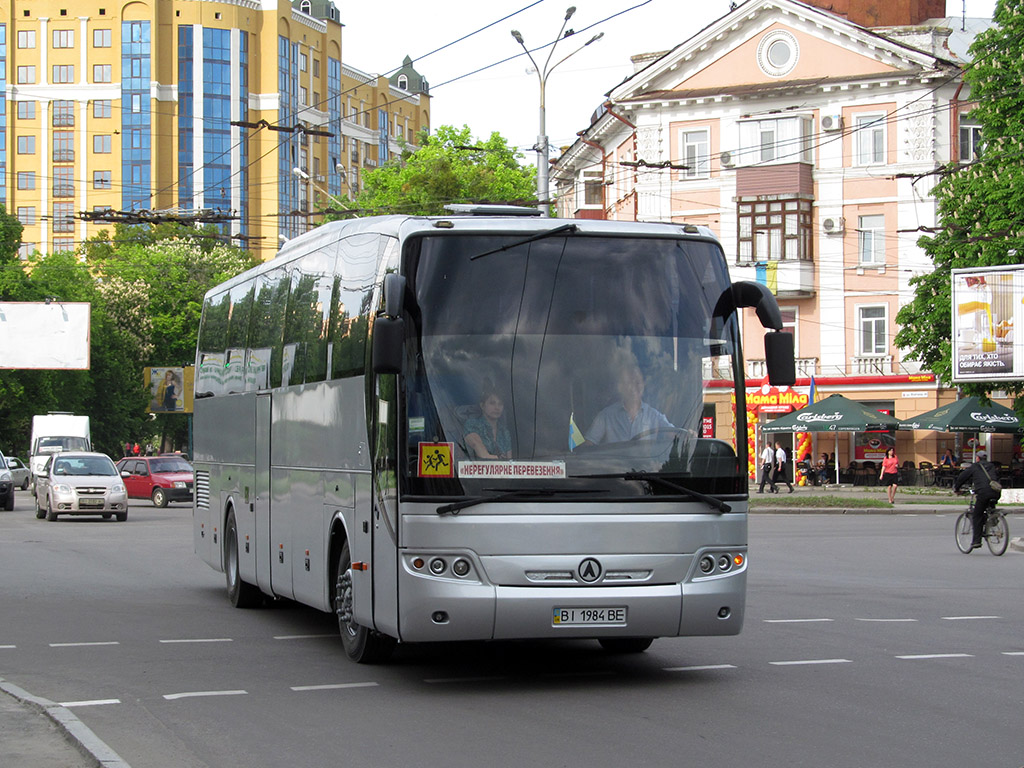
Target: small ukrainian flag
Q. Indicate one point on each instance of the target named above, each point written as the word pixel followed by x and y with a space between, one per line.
pixel 576 438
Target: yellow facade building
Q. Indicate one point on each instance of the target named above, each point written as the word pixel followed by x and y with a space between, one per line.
pixel 238 112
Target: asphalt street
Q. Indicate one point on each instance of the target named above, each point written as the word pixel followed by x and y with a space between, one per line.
pixel 869 640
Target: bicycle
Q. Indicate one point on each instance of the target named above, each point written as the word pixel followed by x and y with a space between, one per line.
pixel 996 531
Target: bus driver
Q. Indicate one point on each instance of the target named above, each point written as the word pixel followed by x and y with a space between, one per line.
pixel 631 416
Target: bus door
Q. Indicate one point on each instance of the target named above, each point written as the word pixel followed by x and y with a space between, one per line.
pixel 261 507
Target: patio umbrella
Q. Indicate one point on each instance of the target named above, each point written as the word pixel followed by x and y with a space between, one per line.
pixel 966 415
pixel 833 414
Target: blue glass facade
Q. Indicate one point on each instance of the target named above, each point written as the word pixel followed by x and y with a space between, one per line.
pixel 288 154
pixel 242 178
pixel 3 114
pixel 216 193
pixel 186 112
pixel 382 133
pixel 136 118
pixel 334 122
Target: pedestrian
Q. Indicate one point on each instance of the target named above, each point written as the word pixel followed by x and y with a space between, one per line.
pixel 767 468
pixel 136 449
pixel 780 467
pixel 889 474
pixel 982 477
pixel 127 449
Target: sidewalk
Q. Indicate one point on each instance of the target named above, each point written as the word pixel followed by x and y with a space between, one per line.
pixel 36 733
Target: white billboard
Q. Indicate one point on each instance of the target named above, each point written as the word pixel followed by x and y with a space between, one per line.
pixel 52 335
pixel 986 310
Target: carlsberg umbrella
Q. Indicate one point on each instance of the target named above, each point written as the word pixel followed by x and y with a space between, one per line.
pixel 966 415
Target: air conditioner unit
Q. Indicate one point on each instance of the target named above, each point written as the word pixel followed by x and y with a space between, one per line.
pixel 726 159
pixel 320 179
pixel 831 122
pixel 833 225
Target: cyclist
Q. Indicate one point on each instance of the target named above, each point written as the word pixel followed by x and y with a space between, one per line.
pixel 980 475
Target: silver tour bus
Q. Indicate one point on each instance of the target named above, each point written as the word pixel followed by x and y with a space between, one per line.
pixel 482 426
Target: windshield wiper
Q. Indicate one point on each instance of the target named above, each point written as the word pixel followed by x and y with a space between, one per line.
pixel 456 506
pixel 564 229
pixel 653 477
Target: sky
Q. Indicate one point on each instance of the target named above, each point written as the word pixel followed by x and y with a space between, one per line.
pixel 505 97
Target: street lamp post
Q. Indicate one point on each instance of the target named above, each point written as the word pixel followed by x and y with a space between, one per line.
pixel 309 180
pixel 542 77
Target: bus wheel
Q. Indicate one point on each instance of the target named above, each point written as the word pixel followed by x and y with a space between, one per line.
pixel 241 593
pixel 362 644
pixel 626 644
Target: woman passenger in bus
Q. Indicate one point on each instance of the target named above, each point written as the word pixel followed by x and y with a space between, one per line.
pixel 486 436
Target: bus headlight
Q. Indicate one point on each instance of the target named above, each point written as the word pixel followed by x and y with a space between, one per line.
pixel 460 567
pixel 438 566
pixel 707 564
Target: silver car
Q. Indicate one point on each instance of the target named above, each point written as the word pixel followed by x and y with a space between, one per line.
pixel 80 483
pixel 19 472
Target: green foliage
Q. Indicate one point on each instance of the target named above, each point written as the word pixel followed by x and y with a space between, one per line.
pixel 449 167
pixel 981 204
pixel 145 286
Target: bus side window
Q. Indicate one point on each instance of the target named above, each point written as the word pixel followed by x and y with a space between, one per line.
pixel 309 312
pixel 213 338
pixel 267 326
pixel 358 258
pixel 238 337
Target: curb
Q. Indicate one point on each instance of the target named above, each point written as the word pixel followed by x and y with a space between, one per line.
pixel 1017 543
pixel 77 732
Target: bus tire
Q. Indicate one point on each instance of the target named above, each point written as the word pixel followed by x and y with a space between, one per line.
pixel 241 593
pixel 362 644
pixel 626 644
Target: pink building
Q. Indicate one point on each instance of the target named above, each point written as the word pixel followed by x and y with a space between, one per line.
pixel 806 135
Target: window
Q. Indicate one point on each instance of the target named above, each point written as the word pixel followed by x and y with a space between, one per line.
pixel 780 140
pixel 26 110
pixel 63 73
pixel 27 215
pixel 316 67
pixel 305 6
pixel 101 73
pixel 63 114
pixel 694 147
pixel 970 142
pixel 592 189
pixel 303 61
pixel 773 230
pixel 63 217
pixel 26 180
pixel 102 208
pixel 777 53
pixel 63 181
pixel 63 244
pixel 101 179
pixel 871 322
pixel 26 75
pixel 136 103
pixel 102 108
pixel 403 82
pixel 27 38
pixel 101 144
pixel 303 96
pixel 26 250
pixel 63 38
pixel 871 239
pixel 870 139
pixel 26 145
pixel 63 146
pixel 101 38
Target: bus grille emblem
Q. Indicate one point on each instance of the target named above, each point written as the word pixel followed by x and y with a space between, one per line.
pixel 589 570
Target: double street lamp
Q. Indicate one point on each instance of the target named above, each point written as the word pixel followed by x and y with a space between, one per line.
pixel 309 180
pixel 542 77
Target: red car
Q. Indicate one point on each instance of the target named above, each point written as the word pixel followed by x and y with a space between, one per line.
pixel 160 478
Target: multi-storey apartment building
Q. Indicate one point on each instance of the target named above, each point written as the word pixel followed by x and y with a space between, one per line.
pixel 806 135
pixel 176 107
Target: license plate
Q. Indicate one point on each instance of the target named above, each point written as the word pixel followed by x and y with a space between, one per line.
pixel 90 503
pixel 589 617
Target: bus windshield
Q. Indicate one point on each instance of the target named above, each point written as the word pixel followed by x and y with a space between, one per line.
pixel 574 357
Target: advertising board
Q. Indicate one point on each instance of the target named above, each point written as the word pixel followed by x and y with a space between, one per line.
pixel 987 307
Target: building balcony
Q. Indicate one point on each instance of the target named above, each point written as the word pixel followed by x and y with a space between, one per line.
pixel 805 368
pixel 64 190
pixel 63 225
pixel 63 155
pixel 788 278
pixel 871 365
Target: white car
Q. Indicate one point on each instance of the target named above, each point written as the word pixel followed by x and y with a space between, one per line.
pixel 19 472
pixel 6 486
pixel 80 483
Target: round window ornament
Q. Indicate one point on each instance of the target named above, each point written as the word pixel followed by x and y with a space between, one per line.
pixel 777 53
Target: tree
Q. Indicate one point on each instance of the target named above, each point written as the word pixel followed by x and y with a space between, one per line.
pixel 980 203
pixel 449 167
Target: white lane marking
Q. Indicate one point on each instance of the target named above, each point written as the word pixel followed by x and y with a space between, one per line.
pixel 937 656
pixel 8 646
pixel 699 668
pixel 968 618
pixel 483 679
pixel 302 637
pixel 82 645
pixel 196 694
pixel 795 621
pixel 1013 653
pixel 200 640
pixel 333 686
pixel 889 621
pixel 92 703
pixel 800 662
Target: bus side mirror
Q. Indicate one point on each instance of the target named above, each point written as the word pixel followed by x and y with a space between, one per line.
pixel 778 357
pixel 388 329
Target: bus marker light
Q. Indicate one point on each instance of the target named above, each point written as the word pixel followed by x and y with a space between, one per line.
pixel 737 560
pixel 417 563
pixel 359 565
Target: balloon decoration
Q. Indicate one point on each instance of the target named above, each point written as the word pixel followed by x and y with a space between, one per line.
pixel 752 457
pixel 804 452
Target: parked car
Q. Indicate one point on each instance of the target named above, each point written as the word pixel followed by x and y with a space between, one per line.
pixel 19 472
pixel 6 486
pixel 80 483
pixel 160 478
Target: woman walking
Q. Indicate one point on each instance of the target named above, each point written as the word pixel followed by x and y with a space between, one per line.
pixel 890 473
